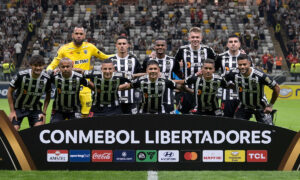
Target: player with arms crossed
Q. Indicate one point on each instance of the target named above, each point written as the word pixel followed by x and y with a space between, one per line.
pixel 29 85
pixel 66 103
pixel 249 83
pixel 80 52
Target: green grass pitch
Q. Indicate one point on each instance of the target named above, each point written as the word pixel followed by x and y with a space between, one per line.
pixel 288 116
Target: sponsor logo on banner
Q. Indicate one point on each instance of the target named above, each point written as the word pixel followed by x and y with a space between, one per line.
pixel 124 155
pixel 285 92
pixel 190 156
pixel 168 156
pixel 257 156
pixel 235 156
pixel 212 156
pixel 80 155
pixel 102 156
pixel 57 156
pixel 146 156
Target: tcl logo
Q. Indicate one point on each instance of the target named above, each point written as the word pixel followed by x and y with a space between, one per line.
pixel 257 156
pixel 102 156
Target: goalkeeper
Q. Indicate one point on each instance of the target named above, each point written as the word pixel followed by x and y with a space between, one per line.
pixel 80 52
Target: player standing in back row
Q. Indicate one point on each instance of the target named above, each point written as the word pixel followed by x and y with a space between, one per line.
pixel 80 52
pixel 193 55
pixel 129 65
pixel 228 61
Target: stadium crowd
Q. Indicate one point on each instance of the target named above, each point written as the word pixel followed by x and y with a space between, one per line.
pixel 143 22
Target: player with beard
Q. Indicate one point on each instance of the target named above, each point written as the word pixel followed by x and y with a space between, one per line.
pixel 206 88
pixel 80 52
pixel 225 62
pixel 249 83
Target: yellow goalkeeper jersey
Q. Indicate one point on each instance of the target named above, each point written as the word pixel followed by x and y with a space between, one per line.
pixel 80 55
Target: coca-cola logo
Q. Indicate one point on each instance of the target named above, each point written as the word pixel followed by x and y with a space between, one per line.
pixel 102 156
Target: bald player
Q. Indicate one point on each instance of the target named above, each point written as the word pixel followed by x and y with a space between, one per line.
pixel 80 52
pixel 66 103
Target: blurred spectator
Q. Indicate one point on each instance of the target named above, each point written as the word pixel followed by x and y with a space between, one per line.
pixel 270 63
pixel 265 58
pixel 18 51
pixel 278 62
pixel 7 70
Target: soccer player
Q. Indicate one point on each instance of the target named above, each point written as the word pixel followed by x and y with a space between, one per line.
pixel 193 56
pixel 206 88
pixel 80 52
pixel 167 65
pixel 128 64
pixel 152 87
pixel 29 85
pixel 105 96
pixel 66 103
pixel 249 83
pixel 228 61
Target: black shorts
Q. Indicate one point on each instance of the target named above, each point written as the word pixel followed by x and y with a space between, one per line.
pixel 169 108
pixel 105 111
pixel 243 113
pixel 229 107
pixel 58 116
pixel 217 112
pixel 186 103
pixel 32 115
pixel 129 108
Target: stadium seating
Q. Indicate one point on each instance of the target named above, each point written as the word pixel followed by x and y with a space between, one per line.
pixel 107 23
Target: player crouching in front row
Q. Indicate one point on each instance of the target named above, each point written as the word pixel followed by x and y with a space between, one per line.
pixel 153 88
pixel 105 96
pixel 249 83
pixel 66 103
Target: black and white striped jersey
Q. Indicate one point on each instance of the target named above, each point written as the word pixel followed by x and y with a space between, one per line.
pixel 67 92
pixel 193 60
pixel 153 93
pixel 29 90
pixel 226 62
pixel 251 88
pixel 128 65
pixel 206 91
pixel 106 90
pixel 167 65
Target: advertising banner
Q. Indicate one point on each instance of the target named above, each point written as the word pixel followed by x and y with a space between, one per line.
pixel 159 142
pixel 286 92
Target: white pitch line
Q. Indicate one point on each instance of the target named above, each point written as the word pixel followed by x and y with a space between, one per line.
pixel 152 175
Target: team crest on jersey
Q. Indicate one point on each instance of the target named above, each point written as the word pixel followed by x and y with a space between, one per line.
pixel 129 61
pixel 85 51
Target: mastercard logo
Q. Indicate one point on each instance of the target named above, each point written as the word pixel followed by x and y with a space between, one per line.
pixel 191 156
